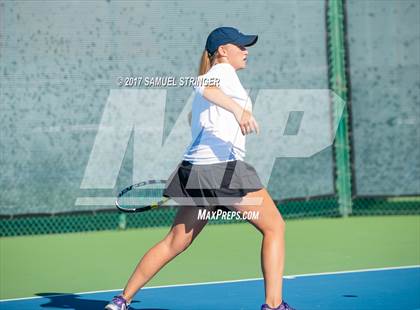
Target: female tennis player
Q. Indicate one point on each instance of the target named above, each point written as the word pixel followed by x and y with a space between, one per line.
pixel 214 167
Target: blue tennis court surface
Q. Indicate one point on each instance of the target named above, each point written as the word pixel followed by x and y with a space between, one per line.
pixel 396 288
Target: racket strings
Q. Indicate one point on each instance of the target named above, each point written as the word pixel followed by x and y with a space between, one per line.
pixel 142 196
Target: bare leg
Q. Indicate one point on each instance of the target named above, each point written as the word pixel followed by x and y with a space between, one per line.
pixel 270 223
pixel 184 230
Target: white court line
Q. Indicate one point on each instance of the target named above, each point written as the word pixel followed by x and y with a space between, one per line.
pixel 227 281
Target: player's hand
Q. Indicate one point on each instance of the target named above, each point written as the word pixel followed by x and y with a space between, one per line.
pixel 247 122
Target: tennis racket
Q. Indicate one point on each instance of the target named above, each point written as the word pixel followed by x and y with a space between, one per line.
pixel 143 196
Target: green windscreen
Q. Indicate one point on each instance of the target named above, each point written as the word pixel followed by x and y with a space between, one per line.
pixel 72 136
pixel 57 84
pixel 384 55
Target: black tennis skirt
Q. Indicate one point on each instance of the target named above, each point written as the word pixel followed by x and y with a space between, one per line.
pixel 212 184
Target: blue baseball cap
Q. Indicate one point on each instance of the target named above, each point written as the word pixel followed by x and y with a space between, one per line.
pixel 225 35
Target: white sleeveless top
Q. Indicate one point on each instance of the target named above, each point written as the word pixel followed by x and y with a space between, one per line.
pixel 216 135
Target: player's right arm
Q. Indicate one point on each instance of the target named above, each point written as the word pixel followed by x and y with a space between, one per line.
pixel 244 117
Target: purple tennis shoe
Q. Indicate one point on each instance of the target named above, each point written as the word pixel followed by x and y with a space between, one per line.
pixel 118 303
pixel 283 306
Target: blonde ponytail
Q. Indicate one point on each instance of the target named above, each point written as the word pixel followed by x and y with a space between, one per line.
pixel 206 62
pixel 205 65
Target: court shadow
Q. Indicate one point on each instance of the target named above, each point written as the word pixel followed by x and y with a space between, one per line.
pixel 70 301
pixel 79 302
